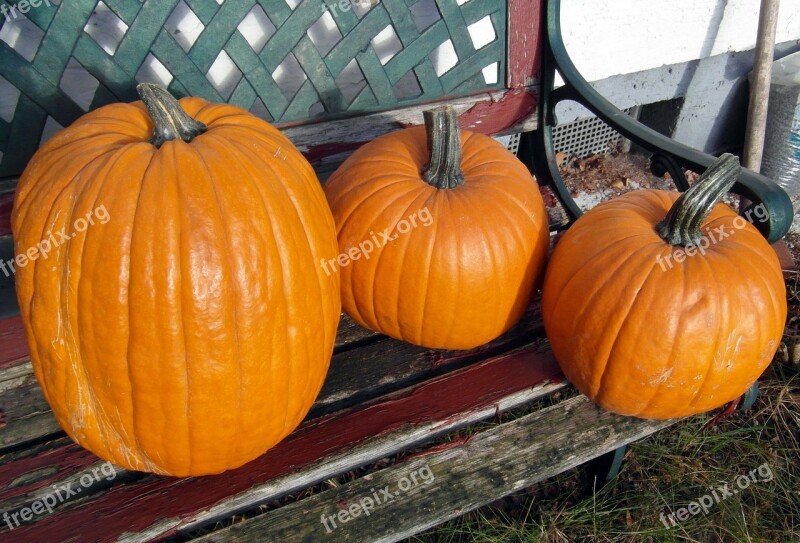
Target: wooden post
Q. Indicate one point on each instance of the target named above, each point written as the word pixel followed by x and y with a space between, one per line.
pixel 759 85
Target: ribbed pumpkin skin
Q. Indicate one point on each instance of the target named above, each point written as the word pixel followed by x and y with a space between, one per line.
pixel 463 280
pixel 661 343
pixel 193 330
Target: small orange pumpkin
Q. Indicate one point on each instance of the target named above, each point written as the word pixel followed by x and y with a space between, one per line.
pixel 191 330
pixel 443 236
pixel 665 318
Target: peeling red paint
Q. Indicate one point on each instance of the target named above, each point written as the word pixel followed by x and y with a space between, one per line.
pixel 524 42
pixel 493 116
pixel 71 458
pixel 439 448
pixel 440 358
pixel 12 338
pixel 136 506
pixel 317 152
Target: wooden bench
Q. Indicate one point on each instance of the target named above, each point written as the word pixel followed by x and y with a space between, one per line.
pixel 382 455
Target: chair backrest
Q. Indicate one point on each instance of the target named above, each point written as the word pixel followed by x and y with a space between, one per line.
pixel 288 61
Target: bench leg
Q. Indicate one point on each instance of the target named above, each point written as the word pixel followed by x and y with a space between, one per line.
pixel 604 469
pixel 749 398
pixel 742 403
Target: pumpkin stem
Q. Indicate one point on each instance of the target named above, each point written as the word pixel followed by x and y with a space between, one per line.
pixel 443 170
pixel 682 224
pixel 170 120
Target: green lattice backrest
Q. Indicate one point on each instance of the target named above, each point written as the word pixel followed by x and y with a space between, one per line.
pixel 285 60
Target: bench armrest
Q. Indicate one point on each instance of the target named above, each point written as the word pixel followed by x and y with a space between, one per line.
pixel 760 190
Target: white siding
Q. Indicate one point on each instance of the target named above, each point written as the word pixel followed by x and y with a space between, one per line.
pixel 606 38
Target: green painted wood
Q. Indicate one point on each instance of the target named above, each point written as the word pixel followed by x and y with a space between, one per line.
pixel 259 79
pixel 113 77
pixel 171 55
pixel 467 70
pixel 407 33
pixel 358 38
pixel 302 101
pixel 65 40
pixel 456 25
pixel 36 87
pixel 204 9
pixel 25 140
pixel 217 32
pixel 124 10
pixel 427 41
pixel 142 32
pixel 64 31
pixel 41 16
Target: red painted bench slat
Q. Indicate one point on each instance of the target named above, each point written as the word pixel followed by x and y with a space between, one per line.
pixel 142 504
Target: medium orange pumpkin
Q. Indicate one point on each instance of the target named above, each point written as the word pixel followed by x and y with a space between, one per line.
pixel 665 317
pixel 442 235
pixel 192 330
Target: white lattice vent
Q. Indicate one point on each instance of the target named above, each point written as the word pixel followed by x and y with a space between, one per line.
pixel 511 142
pixel 589 136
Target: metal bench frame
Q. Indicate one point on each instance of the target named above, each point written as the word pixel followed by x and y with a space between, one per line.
pixel 668 155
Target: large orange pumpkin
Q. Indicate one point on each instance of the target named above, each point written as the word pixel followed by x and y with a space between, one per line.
pixel 185 328
pixel 665 317
pixel 443 235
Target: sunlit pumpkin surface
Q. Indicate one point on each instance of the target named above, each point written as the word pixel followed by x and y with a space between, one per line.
pixel 642 334
pixel 193 330
pixel 464 278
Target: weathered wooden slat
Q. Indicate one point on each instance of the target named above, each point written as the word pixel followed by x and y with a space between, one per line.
pixel 340 137
pixel 433 488
pixel 327 144
pixel 354 376
pixel 14 346
pixel 29 420
pixel 49 480
pixel 524 42
pixel 18 375
pixel 156 507
pixel 350 334
pixel 27 417
pixel 388 365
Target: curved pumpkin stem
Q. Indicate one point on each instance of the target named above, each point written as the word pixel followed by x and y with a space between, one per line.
pixel 682 224
pixel 170 120
pixel 443 170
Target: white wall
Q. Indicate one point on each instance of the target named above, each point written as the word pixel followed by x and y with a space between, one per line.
pixel 612 37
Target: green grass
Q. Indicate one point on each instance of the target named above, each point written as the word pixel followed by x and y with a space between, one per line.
pixel 663 473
